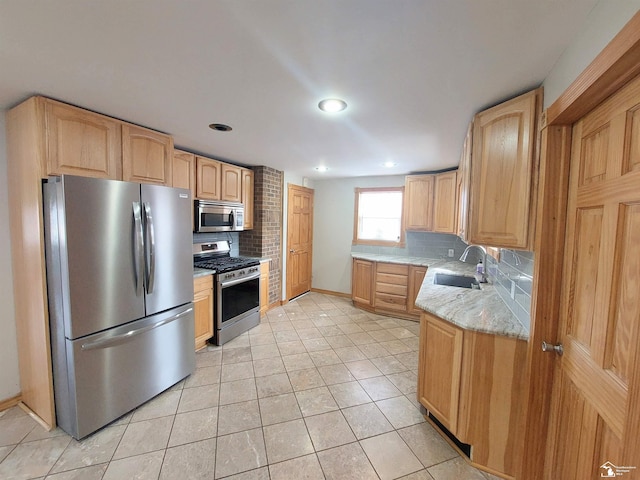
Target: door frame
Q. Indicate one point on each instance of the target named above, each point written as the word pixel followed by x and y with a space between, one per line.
pixel 616 65
pixel 292 186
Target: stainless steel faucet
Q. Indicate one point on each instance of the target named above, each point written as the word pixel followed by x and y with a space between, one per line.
pixel 463 257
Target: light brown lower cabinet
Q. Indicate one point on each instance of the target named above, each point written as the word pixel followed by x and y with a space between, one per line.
pixel 362 282
pixel 384 287
pixel 264 287
pixel 203 309
pixel 472 383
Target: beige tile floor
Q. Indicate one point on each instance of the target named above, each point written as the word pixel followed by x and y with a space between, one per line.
pixel 318 390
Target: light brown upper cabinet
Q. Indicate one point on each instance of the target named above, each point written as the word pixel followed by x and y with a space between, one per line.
pixel 444 202
pixel 430 202
pixel 80 142
pixel 231 183
pixel 464 182
pixel 184 171
pixel 208 178
pixel 146 155
pixel 502 173
pixel 247 197
pixel 418 202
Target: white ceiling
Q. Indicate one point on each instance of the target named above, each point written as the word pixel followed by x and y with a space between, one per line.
pixel 412 71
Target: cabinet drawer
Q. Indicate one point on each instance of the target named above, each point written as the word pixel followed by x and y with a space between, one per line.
pixel 391 288
pixel 392 279
pixel 391 302
pixel 393 268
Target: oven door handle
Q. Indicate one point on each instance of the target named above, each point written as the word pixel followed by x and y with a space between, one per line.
pixel 231 283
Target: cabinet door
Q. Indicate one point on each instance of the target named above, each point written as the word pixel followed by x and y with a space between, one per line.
pixel 418 202
pixel 264 287
pixel 82 143
pixel 184 173
pixel 362 282
pixel 504 139
pixel 247 197
pixel 208 176
pixel 203 309
pixel 231 187
pixel 464 184
pixel 146 156
pixel 444 203
pixel 416 277
pixel 439 369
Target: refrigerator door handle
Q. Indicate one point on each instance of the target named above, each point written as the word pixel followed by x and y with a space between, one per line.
pixel 125 337
pixel 151 245
pixel 138 249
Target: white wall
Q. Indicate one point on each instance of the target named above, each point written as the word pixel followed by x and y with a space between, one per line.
pixel 603 23
pixel 334 203
pixel 9 376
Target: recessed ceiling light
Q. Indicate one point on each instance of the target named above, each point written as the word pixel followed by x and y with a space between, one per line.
pixel 332 105
pixel 220 127
pixel 322 168
pixel 389 164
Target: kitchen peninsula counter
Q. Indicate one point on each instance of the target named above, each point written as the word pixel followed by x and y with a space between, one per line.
pixel 480 310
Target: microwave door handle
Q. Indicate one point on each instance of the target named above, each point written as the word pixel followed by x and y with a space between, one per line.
pixel 232 218
pixel 151 246
pixel 138 248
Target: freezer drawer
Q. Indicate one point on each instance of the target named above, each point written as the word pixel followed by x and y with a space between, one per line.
pixel 100 377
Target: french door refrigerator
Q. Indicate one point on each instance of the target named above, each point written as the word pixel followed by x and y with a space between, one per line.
pixel 120 286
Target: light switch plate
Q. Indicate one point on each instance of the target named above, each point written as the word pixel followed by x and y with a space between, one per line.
pixel 451 252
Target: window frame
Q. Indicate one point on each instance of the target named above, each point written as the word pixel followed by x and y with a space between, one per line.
pixel 382 243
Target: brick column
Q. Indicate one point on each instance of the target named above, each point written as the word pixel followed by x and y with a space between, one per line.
pixel 265 240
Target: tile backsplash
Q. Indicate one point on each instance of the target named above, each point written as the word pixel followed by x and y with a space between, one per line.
pixel 420 244
pixel 513 278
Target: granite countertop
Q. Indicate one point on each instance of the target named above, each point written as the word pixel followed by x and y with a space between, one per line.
pixel 472 309
pixel 201 272
pixel 418 261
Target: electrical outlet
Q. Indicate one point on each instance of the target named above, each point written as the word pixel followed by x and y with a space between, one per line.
pixel 513 290
pixel 451 252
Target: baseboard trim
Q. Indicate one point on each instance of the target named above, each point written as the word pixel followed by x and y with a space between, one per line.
pixel 331 292
pixel 10 402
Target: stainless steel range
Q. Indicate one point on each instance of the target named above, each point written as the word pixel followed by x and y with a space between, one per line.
pixel 236 288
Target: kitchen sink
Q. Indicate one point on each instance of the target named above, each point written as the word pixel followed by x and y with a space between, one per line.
pixel 462 281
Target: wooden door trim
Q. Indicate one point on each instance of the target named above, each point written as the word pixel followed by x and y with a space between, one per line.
pixel 616 65
pixel 545 309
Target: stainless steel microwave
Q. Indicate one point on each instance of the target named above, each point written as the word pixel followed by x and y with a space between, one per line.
pixel 212 216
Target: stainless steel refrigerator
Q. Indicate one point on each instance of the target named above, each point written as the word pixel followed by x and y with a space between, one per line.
pixel 120 286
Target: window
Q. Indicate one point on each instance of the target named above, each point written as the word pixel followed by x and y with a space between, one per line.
pixel 378 216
